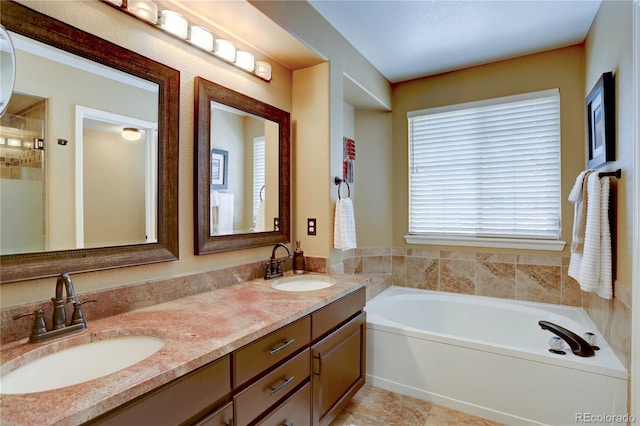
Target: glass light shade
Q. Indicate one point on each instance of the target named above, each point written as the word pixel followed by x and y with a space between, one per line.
pixel 201 37
pixel 245 60
pixel 131 134
pixel 174 23
pixel 225 49
pixel 14 142
pixel 27 144
pixel 3 141
pixel 263 70
pixel 144 9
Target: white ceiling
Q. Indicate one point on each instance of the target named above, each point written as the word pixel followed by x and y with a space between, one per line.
pixel 407 39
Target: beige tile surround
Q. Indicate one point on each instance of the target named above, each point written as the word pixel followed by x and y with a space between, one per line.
pixel 535 278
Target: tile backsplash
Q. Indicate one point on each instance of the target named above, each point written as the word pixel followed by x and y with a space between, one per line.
pixel 127 298
pixel 522 277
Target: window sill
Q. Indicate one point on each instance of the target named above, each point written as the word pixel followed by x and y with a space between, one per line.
pixel 509 243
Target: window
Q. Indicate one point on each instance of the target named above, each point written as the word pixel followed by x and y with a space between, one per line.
pixel 258 175
pixel 487 173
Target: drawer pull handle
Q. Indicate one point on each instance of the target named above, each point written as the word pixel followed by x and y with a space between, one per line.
pixel 282 386
pixel 279 348
pixel 319 358
pixel 287 424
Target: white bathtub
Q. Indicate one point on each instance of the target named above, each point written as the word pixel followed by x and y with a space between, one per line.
pixel 488 357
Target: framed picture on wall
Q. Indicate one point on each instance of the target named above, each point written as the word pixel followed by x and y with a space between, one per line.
pixel 219 169
pixel 600 109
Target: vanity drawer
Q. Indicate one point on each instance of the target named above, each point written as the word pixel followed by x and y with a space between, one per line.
pixel 178 401
pixel 326 319
pixel 265 392
pixel 256 357
pixel 296 410
pixel 222 417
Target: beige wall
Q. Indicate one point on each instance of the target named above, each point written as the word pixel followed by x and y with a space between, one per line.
pixel 299 18
pixel 311 153
pixel 561 68
pixel 374 189
pixel 609 48
pixel 115 26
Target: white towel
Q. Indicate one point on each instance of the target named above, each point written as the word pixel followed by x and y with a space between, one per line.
pixel 579 195
pixel 593 267
pixel 260 225
pixel 221 221
pixel 344 225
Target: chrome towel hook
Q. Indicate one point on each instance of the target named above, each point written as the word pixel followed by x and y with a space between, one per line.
pixel 338 182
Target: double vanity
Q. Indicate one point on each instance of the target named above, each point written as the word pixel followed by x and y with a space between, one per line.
pixel 259 352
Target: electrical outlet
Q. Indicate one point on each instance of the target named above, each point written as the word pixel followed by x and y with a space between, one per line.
pixel 312 226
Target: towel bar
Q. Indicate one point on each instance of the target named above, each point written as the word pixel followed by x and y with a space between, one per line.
pixel 617 174
pixel 338 181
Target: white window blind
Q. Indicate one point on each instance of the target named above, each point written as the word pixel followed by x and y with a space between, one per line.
pixel 487 169
pixel 258 173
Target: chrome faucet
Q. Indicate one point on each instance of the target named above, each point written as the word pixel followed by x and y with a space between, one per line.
pixel 274 267
pixel 578 345
pixel 39 332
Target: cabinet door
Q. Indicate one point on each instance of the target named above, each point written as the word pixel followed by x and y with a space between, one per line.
pixel 338 367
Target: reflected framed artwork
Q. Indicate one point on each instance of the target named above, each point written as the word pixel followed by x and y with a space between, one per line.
pixel 219 169
pixel 600 119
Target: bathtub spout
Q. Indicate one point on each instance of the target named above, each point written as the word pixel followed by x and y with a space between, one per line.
pixel 578 345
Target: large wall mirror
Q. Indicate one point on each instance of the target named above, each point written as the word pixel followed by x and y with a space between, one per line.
pixel 242 173
pixel 89 147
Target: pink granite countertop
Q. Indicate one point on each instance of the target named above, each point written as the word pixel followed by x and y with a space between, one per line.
pixel 197 330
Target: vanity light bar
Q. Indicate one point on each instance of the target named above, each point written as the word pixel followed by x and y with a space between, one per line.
pixel 178 26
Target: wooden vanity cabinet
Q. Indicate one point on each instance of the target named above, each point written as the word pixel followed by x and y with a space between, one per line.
pixel 221 417
pixel 338 369
pixel 179 402
pixel 295 411
pixel 301 374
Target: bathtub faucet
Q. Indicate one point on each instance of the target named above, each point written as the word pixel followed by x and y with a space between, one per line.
pixel 578 345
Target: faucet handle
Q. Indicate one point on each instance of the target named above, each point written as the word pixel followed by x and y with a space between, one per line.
pixel 39 325
pixel 77 317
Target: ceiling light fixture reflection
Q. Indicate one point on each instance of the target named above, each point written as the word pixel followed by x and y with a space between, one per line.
pixel 131 134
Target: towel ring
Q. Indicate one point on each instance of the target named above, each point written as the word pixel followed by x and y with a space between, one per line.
pixel 338 182
pixel 261 189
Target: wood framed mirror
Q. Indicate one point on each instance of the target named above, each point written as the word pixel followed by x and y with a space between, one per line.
pixel 242 171
pixel 18 265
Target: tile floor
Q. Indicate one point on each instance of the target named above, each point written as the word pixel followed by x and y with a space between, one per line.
pixel 376 407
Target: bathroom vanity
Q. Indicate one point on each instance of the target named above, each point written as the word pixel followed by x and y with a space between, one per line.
pixel 243 354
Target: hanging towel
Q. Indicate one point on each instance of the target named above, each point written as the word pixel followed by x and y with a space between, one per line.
pixel 344 225
pixel 221 213
pixel 579 195
pixel 593 267
pixel 260 220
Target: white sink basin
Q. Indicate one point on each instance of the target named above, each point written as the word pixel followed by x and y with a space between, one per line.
pixel 303 283
pixel 79 364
